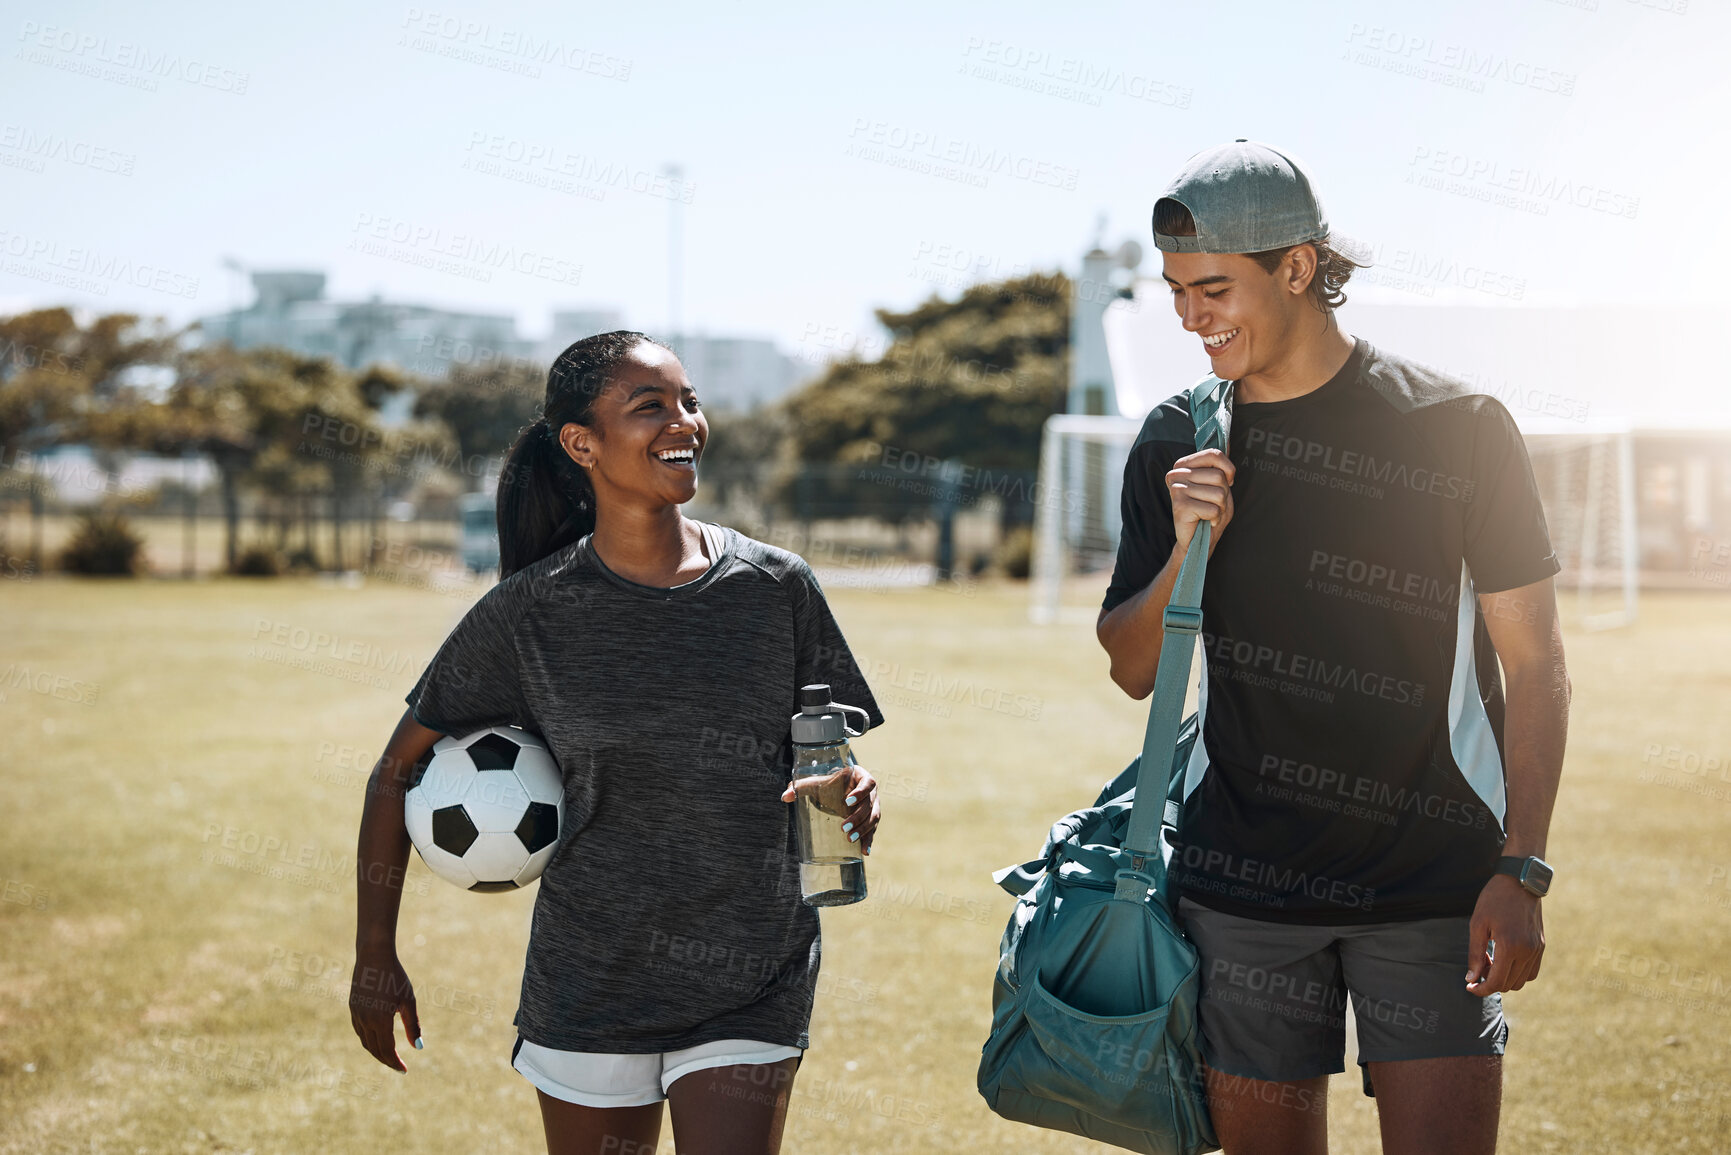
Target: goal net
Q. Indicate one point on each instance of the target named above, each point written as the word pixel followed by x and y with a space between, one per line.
pixel 1586 481
pixel 1076 508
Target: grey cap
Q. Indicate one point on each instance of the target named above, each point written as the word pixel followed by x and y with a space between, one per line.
pixel 821 721
pixel 1245 197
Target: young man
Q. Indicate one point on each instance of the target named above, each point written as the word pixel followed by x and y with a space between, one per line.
pixel 1366 812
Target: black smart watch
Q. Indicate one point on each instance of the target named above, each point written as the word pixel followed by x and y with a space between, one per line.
pixel 1531 872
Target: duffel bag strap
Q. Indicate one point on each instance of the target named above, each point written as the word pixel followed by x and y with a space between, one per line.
pixel 1211 410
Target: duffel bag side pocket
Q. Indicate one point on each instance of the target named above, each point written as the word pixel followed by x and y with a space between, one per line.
pixel 1100 1064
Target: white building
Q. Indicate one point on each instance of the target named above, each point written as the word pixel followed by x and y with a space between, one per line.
pixel 731 374
pixel 736 374
pixel 291 311
pixel 575 324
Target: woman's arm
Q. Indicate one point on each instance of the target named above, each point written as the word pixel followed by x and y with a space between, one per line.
pixel 380 989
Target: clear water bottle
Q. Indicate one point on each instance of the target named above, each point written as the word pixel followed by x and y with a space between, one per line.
pixel 831 865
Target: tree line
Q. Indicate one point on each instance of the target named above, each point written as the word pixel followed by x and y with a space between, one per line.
pixel 968 381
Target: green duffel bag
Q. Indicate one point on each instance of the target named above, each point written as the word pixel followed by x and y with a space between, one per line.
pixel 1094 1007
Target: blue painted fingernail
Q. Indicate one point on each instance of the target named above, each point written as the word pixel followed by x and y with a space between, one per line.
pixel 846 826
pixel 418 1045
pixel 852 798
pixel 854 837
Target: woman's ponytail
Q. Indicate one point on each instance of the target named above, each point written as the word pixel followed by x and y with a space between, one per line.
pixel 537 510
pixel 545 499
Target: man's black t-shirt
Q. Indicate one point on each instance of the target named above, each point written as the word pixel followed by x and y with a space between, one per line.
pixel 1351 766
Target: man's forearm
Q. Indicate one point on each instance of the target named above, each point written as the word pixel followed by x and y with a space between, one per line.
pixel 1534 732
pixel 1131 632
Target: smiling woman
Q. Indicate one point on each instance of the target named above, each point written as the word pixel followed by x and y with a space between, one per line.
pixel 547 489
pixel 671 957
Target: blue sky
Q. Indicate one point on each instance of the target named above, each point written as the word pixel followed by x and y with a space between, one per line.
pixel 505 157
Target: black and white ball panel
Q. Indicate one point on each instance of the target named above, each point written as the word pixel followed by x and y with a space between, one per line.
pixel 485 812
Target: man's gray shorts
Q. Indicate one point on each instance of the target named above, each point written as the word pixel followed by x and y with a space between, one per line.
pixel 1274 994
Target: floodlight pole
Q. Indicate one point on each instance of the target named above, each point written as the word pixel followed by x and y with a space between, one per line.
pixel 1046 570
pixel 236 270
pixel 675 252
pixel 188 541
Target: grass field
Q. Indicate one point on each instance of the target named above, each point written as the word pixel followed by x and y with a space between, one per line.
pixel 183 767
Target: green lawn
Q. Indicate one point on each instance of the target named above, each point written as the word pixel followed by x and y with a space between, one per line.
pixel 181 799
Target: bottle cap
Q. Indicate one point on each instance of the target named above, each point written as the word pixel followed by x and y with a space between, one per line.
pixel 821 721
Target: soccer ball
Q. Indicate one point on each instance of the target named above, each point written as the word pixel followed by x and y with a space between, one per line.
pixel 486 810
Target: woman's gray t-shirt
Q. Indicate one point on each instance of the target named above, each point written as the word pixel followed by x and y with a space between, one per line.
pixel 670 915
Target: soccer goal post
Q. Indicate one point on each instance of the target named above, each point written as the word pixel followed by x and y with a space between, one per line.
pixel 1587 484
pixel 1076 508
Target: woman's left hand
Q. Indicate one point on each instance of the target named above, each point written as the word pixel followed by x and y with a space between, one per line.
pixel 861 820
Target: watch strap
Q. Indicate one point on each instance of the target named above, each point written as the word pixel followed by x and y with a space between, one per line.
pixel 1515 867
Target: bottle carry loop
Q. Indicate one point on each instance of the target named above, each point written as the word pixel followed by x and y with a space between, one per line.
pixel 849 730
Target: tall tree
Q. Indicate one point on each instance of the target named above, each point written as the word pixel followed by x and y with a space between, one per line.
pixel 319 436
pixel 295 428
pixel 484 408
pixel 248 411
pixel 54 373
pixel 406 449
pixel 969 381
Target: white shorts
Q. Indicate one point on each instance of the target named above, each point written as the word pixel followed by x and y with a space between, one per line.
pixel 594 1079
